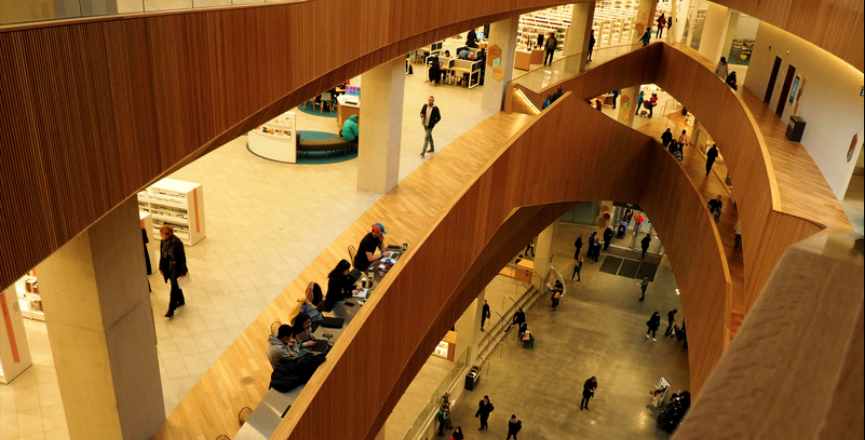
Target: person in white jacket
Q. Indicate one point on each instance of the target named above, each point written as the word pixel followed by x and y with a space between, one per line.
pixel 722 70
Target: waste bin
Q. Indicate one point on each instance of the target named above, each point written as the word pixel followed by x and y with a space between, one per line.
pixel 473 377
pixel 795 128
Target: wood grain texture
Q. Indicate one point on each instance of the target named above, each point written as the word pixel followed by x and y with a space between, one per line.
pixel 834 25
pixel 796 368
pixel 94 110
pixel 461 237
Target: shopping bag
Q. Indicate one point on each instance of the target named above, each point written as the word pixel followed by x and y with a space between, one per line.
pixel 184 280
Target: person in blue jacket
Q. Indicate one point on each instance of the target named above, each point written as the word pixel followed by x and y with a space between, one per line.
pixel 350 129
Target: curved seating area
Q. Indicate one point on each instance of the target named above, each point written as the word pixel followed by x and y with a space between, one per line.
pixel 326 145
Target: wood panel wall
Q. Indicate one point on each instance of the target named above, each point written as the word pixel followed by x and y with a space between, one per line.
pixel 94 110
pixel 796 368
pixel 834 25
pixel 459 249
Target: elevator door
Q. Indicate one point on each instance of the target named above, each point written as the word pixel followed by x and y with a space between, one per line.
pixel 788 81
pixel 773 78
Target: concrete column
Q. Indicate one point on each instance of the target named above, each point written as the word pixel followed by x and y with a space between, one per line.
pixel 715 32
pixel 544 253
pixel 99 321
pixel 577 40
pixel 645 17
pixel 628 105
pixel 468 329
pixel 678 31
pixel 381 127
pixel 504 35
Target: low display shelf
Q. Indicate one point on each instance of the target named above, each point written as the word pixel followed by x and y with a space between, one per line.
pixel 29 300
pixel 178 204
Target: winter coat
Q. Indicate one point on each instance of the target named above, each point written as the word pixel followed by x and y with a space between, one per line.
pixel 295 372
pixel 654 322
pixel 172 261
pixel 350 129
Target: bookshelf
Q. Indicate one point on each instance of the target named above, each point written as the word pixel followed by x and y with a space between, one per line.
pixel 556 20
pixel 178 204
pixel 29 299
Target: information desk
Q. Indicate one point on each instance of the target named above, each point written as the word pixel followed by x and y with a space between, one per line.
pixel 522 60
pixel 346 105
pixel 524 271
pixel 275 140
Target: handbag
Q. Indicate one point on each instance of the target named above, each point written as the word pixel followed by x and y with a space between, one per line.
pixel 184 280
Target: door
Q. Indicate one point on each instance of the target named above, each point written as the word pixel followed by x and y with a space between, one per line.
pixel 772 79
pixel 788 81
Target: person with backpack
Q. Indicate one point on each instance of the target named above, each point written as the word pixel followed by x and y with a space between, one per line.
pixel 662 23
pixel 514 427
pixel 550 46
pixel 485 407
pixel 653 323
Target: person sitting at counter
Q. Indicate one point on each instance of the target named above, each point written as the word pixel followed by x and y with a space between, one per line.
pixel 350 129
pixel 340 285
pixel 463 53
pixel 372 241
pixel 447 54
pixel 309 305
pixel 282 346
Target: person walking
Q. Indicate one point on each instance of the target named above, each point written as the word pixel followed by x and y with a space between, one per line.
pixel 737 246
pixel 647 37
pixel 558 291
pixel 711 155
pixel 716 205
pixel 550 46
pixel 530 247
pixel 608 238
pixel 666 138
pixel 653 323
pixel 616 94
pixel 671 322
pixel 514 427
pixel 485 314
pixel 647 240
pixel 662 23
pixel 592 42
pixel 578 267
pixel 579 245
pixel 589 388
pixel 429 117
pixel 653 102
pixel 683 138
pixel 722 69
pixel 172 266
pixel 643 286
pixel 485 407
pixel 640 98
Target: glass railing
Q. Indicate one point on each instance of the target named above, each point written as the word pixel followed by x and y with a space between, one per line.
pixel 567 67
pixel 431 408
pixel 25 11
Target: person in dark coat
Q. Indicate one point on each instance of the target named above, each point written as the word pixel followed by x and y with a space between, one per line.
pixel 608 237
pixel 666 138
pixel 540 40
pixel 716 205
pixel 647 240
pixel 732 81
pixel 172 266
pixel 592 42
pixel 485 314
pixel 519 318
pixel 340 285
pixel 146 240
pixel 711 155
pixel 485 407
pixel 588 392
pixel 514 427
pixel 579 245
pixel 653 323
pixel 550 47
pixel 559 92
pixel 671 321
pixel 435 72
pixel 472 38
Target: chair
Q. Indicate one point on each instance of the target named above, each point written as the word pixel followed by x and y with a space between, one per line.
pixel 327 98
pixel 223 437
pixel 309 102
pixel 351 253
pixel 274 328
pixel 244 414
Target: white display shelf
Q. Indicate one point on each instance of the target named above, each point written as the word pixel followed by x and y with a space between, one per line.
pixel 178 204
pixel 275 140
pixel 29 300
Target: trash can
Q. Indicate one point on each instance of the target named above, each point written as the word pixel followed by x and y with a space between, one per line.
pixel 795 128
pixel 473 377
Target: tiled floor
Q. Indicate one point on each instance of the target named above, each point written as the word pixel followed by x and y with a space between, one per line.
pixel 265 222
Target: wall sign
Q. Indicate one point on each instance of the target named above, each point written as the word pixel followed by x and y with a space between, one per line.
pixel 494 60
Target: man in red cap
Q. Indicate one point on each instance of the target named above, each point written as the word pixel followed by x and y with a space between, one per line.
pixel 372 241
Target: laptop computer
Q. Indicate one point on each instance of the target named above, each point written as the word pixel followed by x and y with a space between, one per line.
pixel 362 294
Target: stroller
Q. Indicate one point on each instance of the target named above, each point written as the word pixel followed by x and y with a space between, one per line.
pixel 620 232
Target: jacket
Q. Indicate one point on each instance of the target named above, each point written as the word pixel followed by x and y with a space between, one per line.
pixel 514 426
pixel 608 234
pixel 722 70
pixel 350 130
pixel 667 137
pixel 484 409
pixel 551 44
pixel 279 352
pixel 434 118
pixel 654 322
pixel 172 258
pixel 339 287
pixel 646 241
pixel 589 388
pixel 295 372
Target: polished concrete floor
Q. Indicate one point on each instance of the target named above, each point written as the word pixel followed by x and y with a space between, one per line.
pixel 598 330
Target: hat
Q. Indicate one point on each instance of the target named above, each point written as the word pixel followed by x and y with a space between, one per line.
pixel 378 227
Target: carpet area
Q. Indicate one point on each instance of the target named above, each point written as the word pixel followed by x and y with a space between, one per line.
pixel 307 108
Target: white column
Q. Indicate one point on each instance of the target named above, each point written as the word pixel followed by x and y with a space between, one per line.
pixel 503 34
pixel 628 105
pixel 645 16
pixel 380 126
pixel 14 349
pixel 678 32
pixel 468 329
pixel 715 32
pixel 577 40
pixel 544 254
pixel 99 321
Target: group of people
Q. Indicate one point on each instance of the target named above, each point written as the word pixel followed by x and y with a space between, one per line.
pixel 673 330
pixel 649 104
pixel 723 72
pixel 675 146
pixel 485 408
